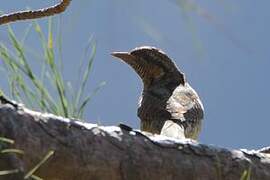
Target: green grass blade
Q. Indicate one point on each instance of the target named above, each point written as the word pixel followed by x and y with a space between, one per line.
pixel 86 73
pixel 88 98
pixel 26 33
pixel 35 177
pixel 6 172
pixel 60 43
pixel 26 69
pixel 56 74
pixel 66 100
pixel 7 140
pixel 17 151
pixel 246 174
pixel 34 169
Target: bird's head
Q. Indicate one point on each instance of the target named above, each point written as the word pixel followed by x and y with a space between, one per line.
pixel 153 66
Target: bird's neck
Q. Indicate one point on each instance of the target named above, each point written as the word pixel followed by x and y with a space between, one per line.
pixel 161 89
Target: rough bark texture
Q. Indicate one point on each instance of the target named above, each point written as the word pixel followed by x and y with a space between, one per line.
pixel 86 151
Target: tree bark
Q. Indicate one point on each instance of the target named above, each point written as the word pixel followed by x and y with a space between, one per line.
pixel 85 151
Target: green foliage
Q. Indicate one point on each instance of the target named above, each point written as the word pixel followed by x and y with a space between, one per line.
pixel 35 90
pixel 246 174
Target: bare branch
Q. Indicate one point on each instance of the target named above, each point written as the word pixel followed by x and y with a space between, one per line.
pixel 23 15
pixel 87 151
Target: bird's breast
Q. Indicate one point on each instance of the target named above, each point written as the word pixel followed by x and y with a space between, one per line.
pixel 152 107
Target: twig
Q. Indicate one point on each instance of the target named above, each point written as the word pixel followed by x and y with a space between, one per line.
pixel 23 15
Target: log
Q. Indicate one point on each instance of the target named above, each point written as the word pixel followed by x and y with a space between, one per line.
pixel 82 151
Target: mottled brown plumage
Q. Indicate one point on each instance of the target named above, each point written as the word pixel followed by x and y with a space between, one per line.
pixel 168 105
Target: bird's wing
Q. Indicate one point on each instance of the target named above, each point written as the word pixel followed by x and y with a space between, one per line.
pixel 183 100
pixel 186 110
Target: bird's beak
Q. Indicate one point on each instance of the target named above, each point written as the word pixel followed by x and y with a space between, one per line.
pixel 136 64
pixel 131 61
pixel 125 56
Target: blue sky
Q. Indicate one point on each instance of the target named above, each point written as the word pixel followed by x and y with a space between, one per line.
pixel 222 47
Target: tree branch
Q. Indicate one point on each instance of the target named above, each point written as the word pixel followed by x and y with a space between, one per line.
pixel 89 151
pixel 23 15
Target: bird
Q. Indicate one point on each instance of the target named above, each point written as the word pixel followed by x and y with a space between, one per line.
pixel 168 104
